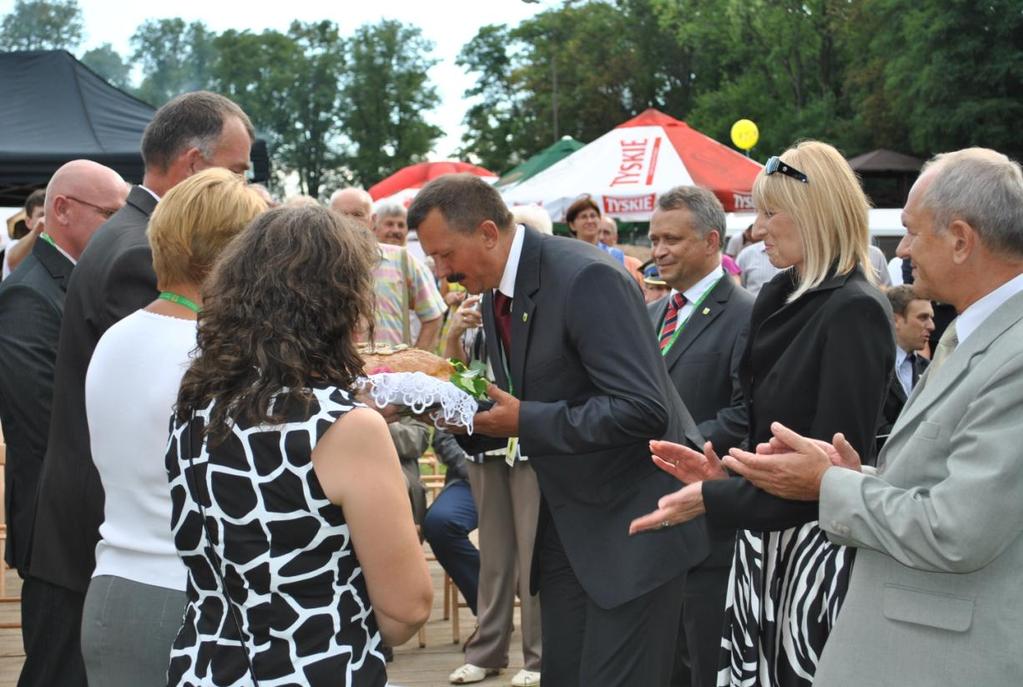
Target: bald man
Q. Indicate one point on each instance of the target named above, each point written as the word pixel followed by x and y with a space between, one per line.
pixel 81 196
pixel 355 203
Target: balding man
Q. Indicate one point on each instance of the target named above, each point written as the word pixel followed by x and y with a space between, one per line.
pixel 81 196
pixel 113 279
pixel 935 595
pixel 404 286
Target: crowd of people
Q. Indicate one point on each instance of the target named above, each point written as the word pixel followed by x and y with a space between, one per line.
pixel 752 460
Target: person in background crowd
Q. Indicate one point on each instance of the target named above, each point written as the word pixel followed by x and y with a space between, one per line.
pixel 290 511
pixel 934 597
pixel 913 318
pixel 79 198
pixel 113 279
pixel 136 598
pixel 583 219
pixel 880 266
pixel 389 225
pixel 819 359
pixel 609 237
pixel 756 268
pixel 21 246
pixel 264 193
pixel 737 242
pixel 654 287
pixel 701 328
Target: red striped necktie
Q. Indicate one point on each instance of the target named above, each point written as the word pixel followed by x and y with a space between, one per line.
pixel 671 318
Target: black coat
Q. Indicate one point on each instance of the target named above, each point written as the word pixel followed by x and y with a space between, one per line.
pixel 895 399
pixel 113 279
pixel 594 391
pixel 818 365
pixel 31 306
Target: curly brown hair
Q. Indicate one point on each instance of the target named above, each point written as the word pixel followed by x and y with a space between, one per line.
pixel 281 310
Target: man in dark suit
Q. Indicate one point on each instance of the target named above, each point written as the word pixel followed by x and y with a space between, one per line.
pixel 113 279
pixel 584 400
pixel 913 318
pixel 701 327
pixel 81 195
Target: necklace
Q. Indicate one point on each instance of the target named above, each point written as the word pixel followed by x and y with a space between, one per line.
pixel 180 300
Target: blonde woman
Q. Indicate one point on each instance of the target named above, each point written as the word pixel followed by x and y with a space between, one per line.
pixel 136 598
pixel 819 356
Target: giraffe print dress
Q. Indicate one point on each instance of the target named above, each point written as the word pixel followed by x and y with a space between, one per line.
pixel 283 551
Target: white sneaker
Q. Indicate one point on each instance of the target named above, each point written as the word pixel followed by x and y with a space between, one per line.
pixel 526 678
pixel 469 673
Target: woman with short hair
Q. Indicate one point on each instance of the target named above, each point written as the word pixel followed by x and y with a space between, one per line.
pixel 136 598
pixel 819 356
pixel 583 218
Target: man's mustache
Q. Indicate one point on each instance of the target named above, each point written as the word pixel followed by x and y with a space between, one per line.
pixel 455 277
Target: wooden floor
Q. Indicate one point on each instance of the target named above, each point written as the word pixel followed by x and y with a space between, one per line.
pixel 427 667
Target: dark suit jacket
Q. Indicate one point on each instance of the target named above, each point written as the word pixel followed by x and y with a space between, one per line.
pixel 594 391
pixel 31 306
pixel 895 399
pixel 704 361
pixel 704 367
pixel 818 365
pixel 113 278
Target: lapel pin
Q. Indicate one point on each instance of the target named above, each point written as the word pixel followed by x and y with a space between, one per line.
pixel 706 311
pixel 525 316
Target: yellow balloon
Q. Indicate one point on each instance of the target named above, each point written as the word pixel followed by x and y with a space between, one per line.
pixel 745 134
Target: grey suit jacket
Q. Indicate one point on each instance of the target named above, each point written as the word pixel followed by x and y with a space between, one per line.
pixel 935 596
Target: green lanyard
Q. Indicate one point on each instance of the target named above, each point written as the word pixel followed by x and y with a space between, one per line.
pixel 180 300
pixel 49 239
pixel 682 325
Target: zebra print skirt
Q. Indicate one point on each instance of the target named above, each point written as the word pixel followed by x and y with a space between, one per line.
pixel 784 594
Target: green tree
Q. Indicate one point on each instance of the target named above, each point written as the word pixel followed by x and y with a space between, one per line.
pixel 108 63
pixel 386 94
pixel 175 58
pixel 42 25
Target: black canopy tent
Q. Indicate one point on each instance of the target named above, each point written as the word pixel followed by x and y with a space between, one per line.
pixel 54 109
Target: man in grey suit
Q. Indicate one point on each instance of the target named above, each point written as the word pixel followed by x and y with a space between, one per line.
pixel 701 326
pixel 81 196
pixel 935 595
pixel 584 403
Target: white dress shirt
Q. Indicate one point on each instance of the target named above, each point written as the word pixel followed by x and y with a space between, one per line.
pixel 511 267
pixel 904 369
pixel 694 293
pixel 974 316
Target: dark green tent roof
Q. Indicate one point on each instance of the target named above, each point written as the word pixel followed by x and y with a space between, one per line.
pixel 539 162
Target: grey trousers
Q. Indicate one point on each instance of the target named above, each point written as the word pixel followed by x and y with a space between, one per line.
pixel 508 504
pixel 128 629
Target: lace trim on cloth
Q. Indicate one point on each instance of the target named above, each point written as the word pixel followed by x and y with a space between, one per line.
pixel 421 392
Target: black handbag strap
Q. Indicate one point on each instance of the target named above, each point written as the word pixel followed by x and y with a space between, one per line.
pixel 211 553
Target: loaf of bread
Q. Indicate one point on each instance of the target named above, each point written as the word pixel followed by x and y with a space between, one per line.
pixel 405 359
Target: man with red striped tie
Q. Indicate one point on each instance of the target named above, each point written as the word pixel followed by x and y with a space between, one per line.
pixel 702 329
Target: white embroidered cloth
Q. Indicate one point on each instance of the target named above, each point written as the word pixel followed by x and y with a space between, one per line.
pixel 419 392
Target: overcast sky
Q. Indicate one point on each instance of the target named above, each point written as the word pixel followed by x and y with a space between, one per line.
pixel 450 24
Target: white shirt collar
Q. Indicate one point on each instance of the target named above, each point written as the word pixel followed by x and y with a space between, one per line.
pixel 974 316
pixel 696 291
pixel 511 267
pixel 900 356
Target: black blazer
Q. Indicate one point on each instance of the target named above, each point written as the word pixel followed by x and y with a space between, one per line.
pixel 704 367
pixel 594 391
pixel 896 399
pixel 704 361
pixel 818 365
pixel 113 279
pixel 31 306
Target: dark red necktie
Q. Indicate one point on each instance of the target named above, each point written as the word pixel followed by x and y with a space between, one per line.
pixel 671 318
pixel 502 319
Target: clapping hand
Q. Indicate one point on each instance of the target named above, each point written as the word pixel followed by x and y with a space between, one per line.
pixel 685 464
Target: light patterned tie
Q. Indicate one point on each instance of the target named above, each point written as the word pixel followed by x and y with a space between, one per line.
pixel 671 318
pixel 948 342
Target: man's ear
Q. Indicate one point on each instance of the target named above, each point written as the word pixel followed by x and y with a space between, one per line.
pixel 194 160
pixel 964 240
pixel 490 233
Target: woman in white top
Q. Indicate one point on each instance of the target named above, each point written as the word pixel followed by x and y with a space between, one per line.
pixel 136 599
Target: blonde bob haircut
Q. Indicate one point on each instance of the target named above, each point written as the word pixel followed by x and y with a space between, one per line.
pixel 830 212
pixel 195 221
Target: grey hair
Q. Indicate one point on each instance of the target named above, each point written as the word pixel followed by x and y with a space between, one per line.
pixel 982 187
pixel 533 216
pixel 703 206
pixel 390 209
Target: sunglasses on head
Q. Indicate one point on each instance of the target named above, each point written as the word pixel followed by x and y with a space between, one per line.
pixel 776 165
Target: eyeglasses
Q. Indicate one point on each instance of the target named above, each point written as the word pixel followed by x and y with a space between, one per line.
pixel 775 164
pixel 107 213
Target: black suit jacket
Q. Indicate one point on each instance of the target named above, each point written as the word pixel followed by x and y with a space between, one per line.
pixel 896 399
pixel 704 367
pixel 818 365
pixel 594 391
pixel 113 279
pixel 704 361
pixel 31 306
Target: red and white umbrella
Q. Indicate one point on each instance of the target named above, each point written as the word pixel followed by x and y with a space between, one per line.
pixel 628 167
pixel 402 186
